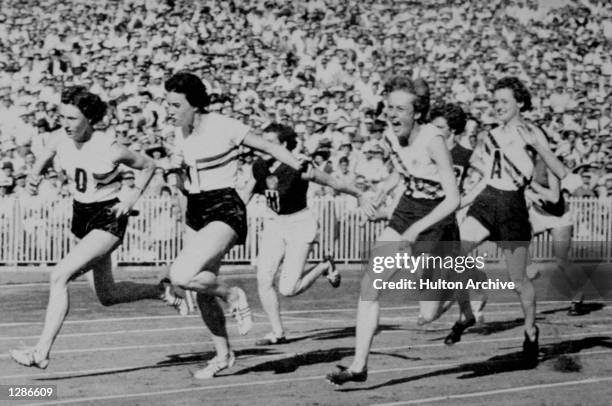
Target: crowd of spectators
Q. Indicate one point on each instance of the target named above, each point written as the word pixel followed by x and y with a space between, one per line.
pixel 316 65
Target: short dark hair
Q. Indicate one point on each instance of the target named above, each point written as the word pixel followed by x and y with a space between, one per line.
pixel 453 114
pixel 90 105
pixel 285 134
pixel 191 86
pixel 418 87
pixel 519 91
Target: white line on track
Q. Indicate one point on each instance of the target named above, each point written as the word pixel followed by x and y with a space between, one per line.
pixel 138 347
pixel 292 319
pixel 298 379
pixel 498 391
pixel 287 312
pixel 159 330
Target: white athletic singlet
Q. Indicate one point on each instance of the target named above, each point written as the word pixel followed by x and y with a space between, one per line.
pixel 210 152
pixel 507 163
pixel 414 163
pixel 95 177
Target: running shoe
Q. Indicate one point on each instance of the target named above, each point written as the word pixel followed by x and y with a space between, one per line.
pixel 215 366
pixel 576 309
pixel 480 317
pixel 457 331
pixel 332 274
pixel 239 308
pixel 531 349
pixel 29 357
pixel 172 299
pixel 342 375
pixel 272 339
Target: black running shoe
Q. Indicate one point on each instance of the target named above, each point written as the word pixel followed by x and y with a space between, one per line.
pixel 576 309
pixel 531 349
pixel 342 375
pixel 457 331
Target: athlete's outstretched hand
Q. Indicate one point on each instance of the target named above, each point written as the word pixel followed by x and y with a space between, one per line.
pixel 124 207
pixel 533 197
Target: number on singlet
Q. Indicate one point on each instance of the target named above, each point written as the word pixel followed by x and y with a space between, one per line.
pixel 273 200
pixel 80 179
pixel 496 169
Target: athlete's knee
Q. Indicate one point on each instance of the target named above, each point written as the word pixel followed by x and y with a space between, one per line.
pixel 179 277
pixel 59 277
pixel 106 299
pixel 287 289
pixel 522 284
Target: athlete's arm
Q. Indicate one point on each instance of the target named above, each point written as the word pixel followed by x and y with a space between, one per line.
pixel 534 137
pixel 386 186
pixel 34 178
pixel 470 196
pixel 146 166
pixel 439 154
pixel 477 159
pixel 551 161
pixel 275 150
pixel 326 179
pixel 532 196
pixel 550 193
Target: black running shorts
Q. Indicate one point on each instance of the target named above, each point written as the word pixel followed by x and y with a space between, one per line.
pixel 504 213
pixel 222 205
pixel 409 210
pixel 97 216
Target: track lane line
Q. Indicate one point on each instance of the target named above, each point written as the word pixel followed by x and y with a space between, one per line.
pixel 286 312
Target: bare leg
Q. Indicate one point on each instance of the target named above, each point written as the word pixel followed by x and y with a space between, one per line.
pixel 294 279
pixel 477 233
pixel 271 253
pixel 196 268
pixel 96 244
pixel 111 293
pixel 562 241
pixel 368 313
pixel 516 261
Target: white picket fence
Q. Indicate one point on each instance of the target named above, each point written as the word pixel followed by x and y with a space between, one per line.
pixel 38 233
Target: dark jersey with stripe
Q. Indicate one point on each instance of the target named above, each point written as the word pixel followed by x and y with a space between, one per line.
pixel 283 187
pixel 461 162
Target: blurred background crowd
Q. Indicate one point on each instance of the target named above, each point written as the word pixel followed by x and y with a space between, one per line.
pixel 316 65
